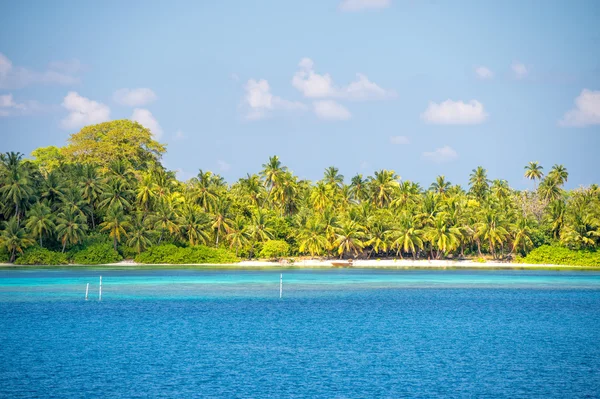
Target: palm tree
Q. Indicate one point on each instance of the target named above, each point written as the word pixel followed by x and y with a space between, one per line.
pixel 383 186
pixel 333 178
pixel 15 185
pixel 442 236
pixel 522 234
pixel 70 227
pixel 116 223
pixel 559 173
pixel 91 189
pixel 408 237
pixel 479 182
pixel 492 227
pixel 359 188
pixel 194 225
pixel 312 239
pixel 165 220
pixel 203 190
pixel 349 237
pixel 238 235
pixel 14 238
pixel 139 233
pixel 320 196
pixel 533 171
pixel 271 172
pixel 40 222
pixel 221 220
pixel 116 195
pixel 440 185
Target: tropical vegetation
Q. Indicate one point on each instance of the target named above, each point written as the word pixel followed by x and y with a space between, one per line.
pixel 106 196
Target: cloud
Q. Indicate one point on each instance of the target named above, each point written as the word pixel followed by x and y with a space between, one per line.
pixel 330 110
pixel 455 113
pixel 12 77
pixel 134 97
pixel 586 111
pixel 399 140
pixel 483 72
pixel 146 119
pixel 223 166
pixel 260 102
pixel 314 85
pixel 83 111
pixel 8 106
pixel 440 155
pixel 68 66
pixel 359 5
pixel 519 69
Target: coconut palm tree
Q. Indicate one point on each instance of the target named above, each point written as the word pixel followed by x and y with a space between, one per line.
pixel 533 171
pixel 440 185
pixel 238 234
pixel 479 182
pixel 139 237
pixel 117 194
pixel 14 238
pixel 194 225
pixel 559 172
pixel 312 238
pixel 359 188
pixel 165 220
pixel 117 224
pixel 71 227
pixel 349 237
pixel 408 237
pixel 16 186
pixel 220 218
pixel 442 236
pixel 383 186
pixel 333 178
pixel 40 221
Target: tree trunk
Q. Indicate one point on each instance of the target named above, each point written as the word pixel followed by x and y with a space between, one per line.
pixel 41 241
pixel 479 248
pixel 13 255
pixel 115 242
pixel 64 246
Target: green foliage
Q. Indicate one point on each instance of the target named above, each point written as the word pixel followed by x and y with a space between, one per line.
pixel 96 254
pixel 4 255
pixel 480 260
pixel 42 256
pixel 275 249
pixel 554 255
pixel 171 254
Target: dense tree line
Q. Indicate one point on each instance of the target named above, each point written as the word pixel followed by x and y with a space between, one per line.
pixel 108 180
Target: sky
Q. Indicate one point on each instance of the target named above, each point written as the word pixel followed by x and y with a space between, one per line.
pixel 423 87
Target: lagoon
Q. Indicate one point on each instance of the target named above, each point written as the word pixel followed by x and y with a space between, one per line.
pixel 335 333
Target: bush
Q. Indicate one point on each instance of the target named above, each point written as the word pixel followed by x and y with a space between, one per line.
pixel 556 255
pixel 173 255
pixel 480 260
pixel 275 249
pixel 42 256
pixel 96 254
pixel 4 255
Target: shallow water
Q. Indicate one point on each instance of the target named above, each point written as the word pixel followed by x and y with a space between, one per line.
pixel 335 333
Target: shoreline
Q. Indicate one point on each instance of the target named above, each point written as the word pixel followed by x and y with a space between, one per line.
pixel 327 264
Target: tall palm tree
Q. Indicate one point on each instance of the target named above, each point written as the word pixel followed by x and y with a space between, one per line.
pixel 559 172
pixel 14 238
pixel 359 188
pixel 311 238
pixel 349 238
pixel 479 182
pixel 238 234
pixel 220 218
pixel 442 236
pixel 383 186
pixel 16 186
pixel 333 178
pixel 139 237
pixel 195 225
pixel 271 172
pixel 117 194
pixel 440 185
pixel 117 224
pixel 91 189
pixel 71 227
pixel 408 237
pixel 40 221
pixel 165 220
pixel 533 171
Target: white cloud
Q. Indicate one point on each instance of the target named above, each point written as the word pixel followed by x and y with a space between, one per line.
pixel 483 72
pixel 12 77
pixel 68 66
pixel 358 5
pixel 260 102
pixel 314 85
pixel 519 69
pixel 329 109
pixel 9 107
pixel 586 111
pixel 455 113
pixel 399 140
pixel 440 155
pixel 83 111
pixel 223 166
pixel 146 119
pixel 134 97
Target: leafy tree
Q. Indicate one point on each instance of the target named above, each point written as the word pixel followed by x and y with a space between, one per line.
pixel 14 238
pixel 40 222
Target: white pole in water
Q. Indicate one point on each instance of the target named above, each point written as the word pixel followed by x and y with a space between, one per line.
pixel 87 288
pixel 280 285
pixel 100 292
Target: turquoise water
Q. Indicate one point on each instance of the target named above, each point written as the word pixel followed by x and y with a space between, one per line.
pixel 335 333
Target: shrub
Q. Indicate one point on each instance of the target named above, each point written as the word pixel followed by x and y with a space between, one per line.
pixel 556 255
pixel 275 249
pixel 171 254
pixel 480 260
pixel 96 254
pixel 4 255
pixel 42 256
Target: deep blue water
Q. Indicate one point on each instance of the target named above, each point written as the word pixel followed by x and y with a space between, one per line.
pixel 335 334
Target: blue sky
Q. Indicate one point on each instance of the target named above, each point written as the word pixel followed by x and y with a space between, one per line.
pixel 424 87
